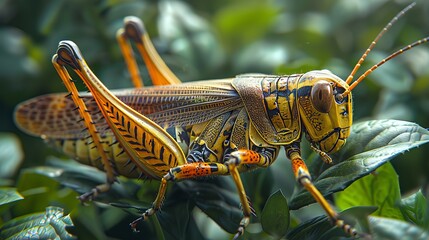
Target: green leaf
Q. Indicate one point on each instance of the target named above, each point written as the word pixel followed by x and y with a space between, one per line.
pixel 50 16
pixel 384 228
pixel 90 222
pixel 370 145
pixel 321 227
pixel 392 76
pixel 252 19
pixel 217 198
pixel 316 228
pixel 220 204
pixel 82 178
pixel 275 215
pixel 153 224
pixel 378 189
pixel 40 191
pixel 11 154
pixel 51 224
pixel 358 217
pixel 191 39
pixel 175 219
pixel 8 195
pixel 260 56
pixel 415 209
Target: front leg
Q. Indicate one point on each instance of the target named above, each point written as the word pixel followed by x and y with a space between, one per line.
pixel 302 175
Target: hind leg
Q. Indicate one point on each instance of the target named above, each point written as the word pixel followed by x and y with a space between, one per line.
pixel 134 31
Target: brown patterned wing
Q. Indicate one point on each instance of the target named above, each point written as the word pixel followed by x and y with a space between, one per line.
pixel 55 115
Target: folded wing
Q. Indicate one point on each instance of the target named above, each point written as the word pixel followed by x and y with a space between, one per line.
pixel 54 116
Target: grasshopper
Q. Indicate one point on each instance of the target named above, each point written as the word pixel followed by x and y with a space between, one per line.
pixel 175 131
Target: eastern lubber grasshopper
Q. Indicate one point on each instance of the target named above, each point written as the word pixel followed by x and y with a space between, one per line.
pixel 182 131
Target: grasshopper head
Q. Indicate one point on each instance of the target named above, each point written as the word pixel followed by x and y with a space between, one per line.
pixel 325 100
pixel 325 113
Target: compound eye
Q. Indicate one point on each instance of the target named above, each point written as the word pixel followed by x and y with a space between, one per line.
pixel 322 96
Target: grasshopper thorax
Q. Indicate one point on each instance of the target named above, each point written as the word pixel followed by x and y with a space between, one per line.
pixel 326 116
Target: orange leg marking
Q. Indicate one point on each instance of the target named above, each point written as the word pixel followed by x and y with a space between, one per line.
pixel 198 169
pixel 299 168
pixel 250 157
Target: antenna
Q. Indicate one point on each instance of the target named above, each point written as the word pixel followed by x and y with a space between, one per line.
pixel 391 56
pixel 374 42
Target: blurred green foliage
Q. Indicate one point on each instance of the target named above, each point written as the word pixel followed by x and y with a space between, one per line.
pixel 207 40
